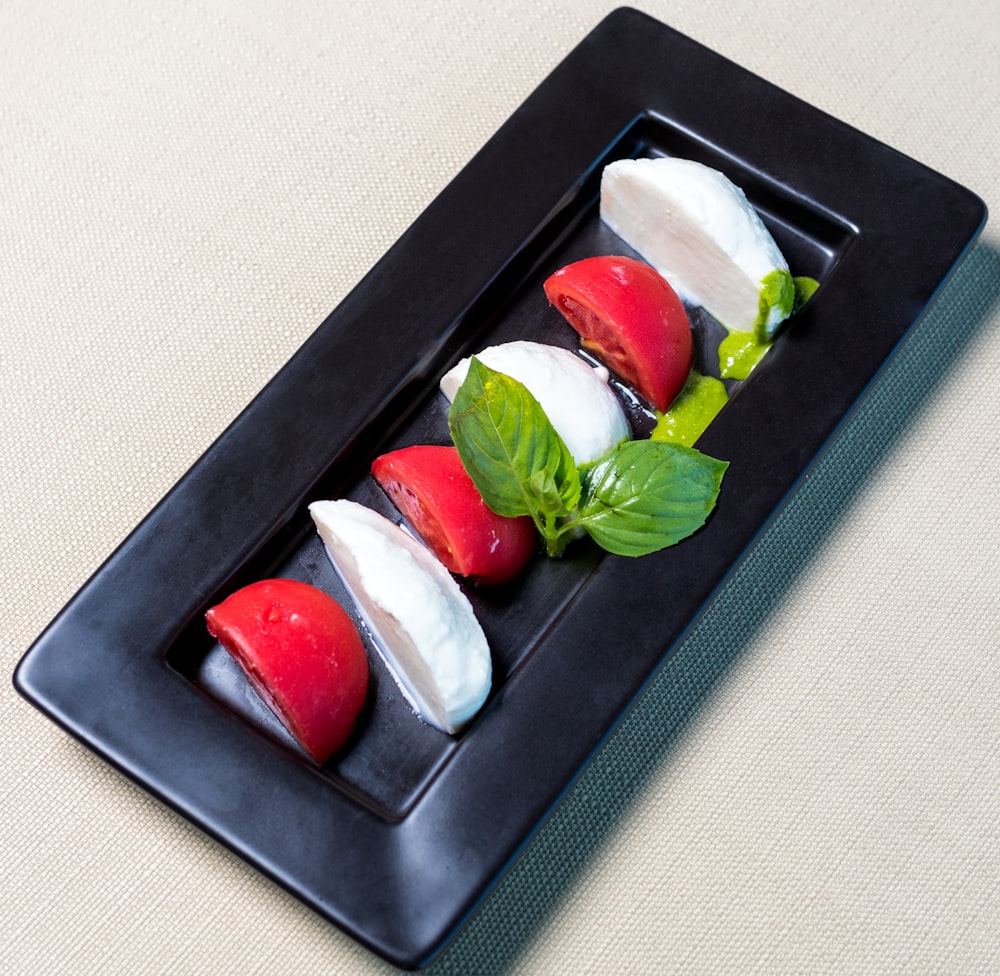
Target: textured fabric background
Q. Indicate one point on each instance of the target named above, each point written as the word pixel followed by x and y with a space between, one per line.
pixel 813 784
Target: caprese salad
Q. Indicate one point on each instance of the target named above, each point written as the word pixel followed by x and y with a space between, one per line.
pixel 542 454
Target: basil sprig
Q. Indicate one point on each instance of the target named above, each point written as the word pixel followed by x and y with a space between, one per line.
pixel 640 497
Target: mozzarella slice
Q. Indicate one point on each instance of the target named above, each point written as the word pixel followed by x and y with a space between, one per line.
pixel 575 396
pixel 700 232
pixel 423 624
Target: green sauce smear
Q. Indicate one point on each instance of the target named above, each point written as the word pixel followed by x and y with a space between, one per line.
pixel 739 352
pixel 805 288
pixel 693 409
pixel 777 290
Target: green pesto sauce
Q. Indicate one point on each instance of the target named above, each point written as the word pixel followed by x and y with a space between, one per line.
pixel 694 408
pixel 777 290
pixel 805 288
pixel 739 352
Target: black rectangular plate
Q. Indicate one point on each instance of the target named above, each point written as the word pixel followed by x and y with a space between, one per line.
pixel 398 839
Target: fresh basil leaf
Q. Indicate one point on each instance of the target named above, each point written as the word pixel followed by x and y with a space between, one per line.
pixel 510 449
pixel 646 495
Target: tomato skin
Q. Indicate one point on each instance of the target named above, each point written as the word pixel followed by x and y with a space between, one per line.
pixel 629 316
pixel 302 654
pixel 433 491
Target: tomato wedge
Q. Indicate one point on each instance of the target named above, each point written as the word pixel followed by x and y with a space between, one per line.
pixel 435 494
pixel 629 316
pixel 301 653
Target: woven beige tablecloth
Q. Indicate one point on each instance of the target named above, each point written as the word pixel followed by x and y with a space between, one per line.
pixel 187 189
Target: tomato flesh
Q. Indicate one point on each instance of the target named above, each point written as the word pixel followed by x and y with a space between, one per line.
pixel 630 318
pixel 302 654
pixel 435 494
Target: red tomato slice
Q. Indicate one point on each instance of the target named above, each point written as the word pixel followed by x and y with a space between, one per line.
pixel 302 654
pixel 630 317
pixel 435 494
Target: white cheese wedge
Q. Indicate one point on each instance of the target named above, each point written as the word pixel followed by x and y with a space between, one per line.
pixel 423 624
pixel 698 229
pixel 575 396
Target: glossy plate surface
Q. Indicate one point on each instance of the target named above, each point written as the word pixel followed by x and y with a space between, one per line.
pixel 399 839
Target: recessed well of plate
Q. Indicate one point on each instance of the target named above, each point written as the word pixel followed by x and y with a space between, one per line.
pixel 393 756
